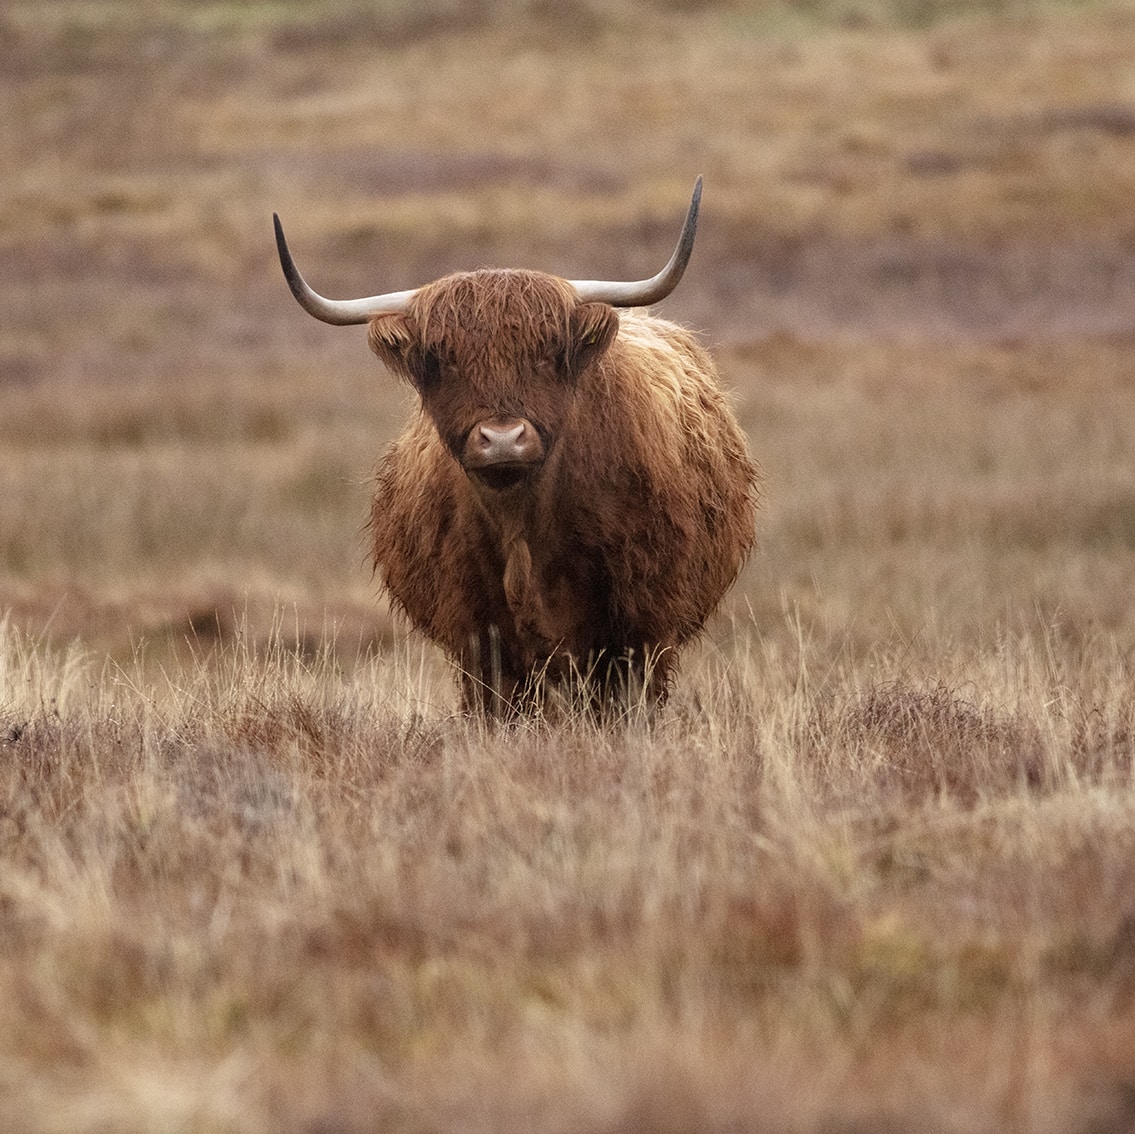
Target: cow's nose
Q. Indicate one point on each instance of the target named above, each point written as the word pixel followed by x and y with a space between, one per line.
pixel 503 451
pixel 503 441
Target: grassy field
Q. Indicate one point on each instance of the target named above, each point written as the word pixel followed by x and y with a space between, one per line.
pixel 872 870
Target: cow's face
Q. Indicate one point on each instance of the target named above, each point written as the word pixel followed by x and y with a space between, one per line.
pixel 495 357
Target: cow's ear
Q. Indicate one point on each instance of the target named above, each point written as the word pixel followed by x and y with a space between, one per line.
pixel 593 329
pixel 392 340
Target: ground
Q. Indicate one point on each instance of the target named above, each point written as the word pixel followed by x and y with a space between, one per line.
pixel 872 869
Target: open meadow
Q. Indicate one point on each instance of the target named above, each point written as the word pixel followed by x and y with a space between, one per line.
pixel 872 869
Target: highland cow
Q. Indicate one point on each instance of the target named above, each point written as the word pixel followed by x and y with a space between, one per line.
pixel 573 497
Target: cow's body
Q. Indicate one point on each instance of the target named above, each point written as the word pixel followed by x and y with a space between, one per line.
pixel 606 562
pixel 574 496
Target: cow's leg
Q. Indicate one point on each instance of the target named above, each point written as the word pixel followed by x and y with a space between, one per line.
pixel 489 681
pixel 627 684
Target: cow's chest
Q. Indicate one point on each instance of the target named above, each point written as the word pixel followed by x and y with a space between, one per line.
pixel 553 595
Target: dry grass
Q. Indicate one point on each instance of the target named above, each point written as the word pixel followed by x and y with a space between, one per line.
pixel 872 870
pixel 267 896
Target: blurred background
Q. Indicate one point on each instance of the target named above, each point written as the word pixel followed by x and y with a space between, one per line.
pixel 916 265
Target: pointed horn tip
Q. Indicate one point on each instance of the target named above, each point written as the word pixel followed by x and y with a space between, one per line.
pixel 695 200
pixel 282 249
pixel 278 225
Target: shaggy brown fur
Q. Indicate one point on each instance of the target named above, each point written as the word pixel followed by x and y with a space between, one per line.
pixel 606 558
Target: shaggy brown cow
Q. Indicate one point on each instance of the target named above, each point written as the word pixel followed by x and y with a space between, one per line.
pixel 573 498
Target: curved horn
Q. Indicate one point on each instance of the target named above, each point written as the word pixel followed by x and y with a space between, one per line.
pixel 644 292
pixel 340 312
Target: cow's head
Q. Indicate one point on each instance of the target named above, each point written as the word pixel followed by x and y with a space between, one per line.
pixel 495 355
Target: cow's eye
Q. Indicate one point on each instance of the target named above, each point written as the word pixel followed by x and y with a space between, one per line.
pixel 428 372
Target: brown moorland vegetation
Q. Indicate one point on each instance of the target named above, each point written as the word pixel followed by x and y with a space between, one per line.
pixel 873 869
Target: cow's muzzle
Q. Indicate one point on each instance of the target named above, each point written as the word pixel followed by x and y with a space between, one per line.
pixel 503 451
